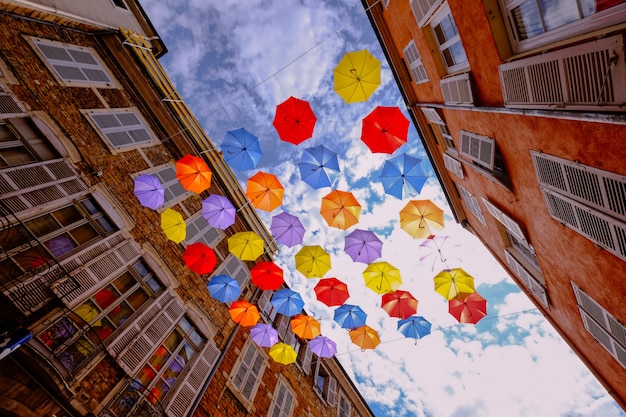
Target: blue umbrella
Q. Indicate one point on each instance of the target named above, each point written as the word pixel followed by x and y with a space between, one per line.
pixel 414 327
pixel 403 176
pixel 224 288
pixel 287 302
pixel 315 165
pixel 350 316
pixel 241 149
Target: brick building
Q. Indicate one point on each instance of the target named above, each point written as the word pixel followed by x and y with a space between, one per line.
pixel 520 106
pixel 112 321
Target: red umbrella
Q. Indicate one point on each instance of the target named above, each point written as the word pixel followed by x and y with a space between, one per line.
pixel 200 258
pixel 399 304
pixel 385 129
pixel 331 291
pixel 267 276
pixel 294 120
pixel 468 308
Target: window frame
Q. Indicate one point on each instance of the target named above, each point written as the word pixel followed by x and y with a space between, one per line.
pixel 174 191
pixel 489 163
pixel 256 355
pixel 288 400
pixel 204 232
pixel 441 14
pixel 343 401
pixel 328 390
pixel 472 204
pixel 103 132
pixel 416 67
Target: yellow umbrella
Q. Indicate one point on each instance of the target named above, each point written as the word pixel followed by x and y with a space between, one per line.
pixel 420 218
pixel 306 327
pixel 340 209
pixel 283 353
pixel 382 277
pixel 312 261
pixel 247 246
pixel 265 191
pixel 364 337
pixel 357 76
pixel 173 225
pixel 451 282
pixel 88 312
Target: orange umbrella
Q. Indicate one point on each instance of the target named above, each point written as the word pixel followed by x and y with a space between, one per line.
pixel 265 191
pixel 193 173
pixel 364 337
pixel 244 313
pixel 420 218
pixel 468 308
pixel 399 304
pixel 305 327
pixel 340 209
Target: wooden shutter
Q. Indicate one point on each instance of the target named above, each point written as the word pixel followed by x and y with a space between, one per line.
pixel 122 128
pixel 423 9
pixel 282 328
pixel 74 63
pixel 510 224
pixel 331 391
pixel 234 268
pixel 531 283
pixel 306 360
pixel 453 165
pixel 457 89
pixel 478 148
pixel 9 106
pixel 412 56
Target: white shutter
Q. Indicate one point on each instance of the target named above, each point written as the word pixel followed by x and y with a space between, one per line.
pixel 457 89
pixel 453 165
pixel 199 230
pixel 531 283
pixel 414 62
pixel 306 361
pixel 478 148
pixel 605 319
pixel 173 188
pixel 264 304
pixel 283 324
pixel 472 204
pixel 122 128
pixel 510 224
pixel 9 106
pixel 331 391
pixel 423 9
pixel 604 338
pixel 432 115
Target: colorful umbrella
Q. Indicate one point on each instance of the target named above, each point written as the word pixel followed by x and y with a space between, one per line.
pixel 468 308
pixel 399 304
pixel 87 312
pixel 350 316
pixel 331 291
pixel 287 229
pixel 385 129
pixel 364 337
pixel 434 246
pixel 363 246
pixel 315 164
pixel 193 173
pixel 340 209
pixel 323 347
pixel 306 327
pixel 247 246
pixel 173 225
pixel 224 288
pixel 264 335
pixel 149 191
pixel 218 211
pixel 382 277
pixel 267 276
pixel 403 176
pixel 312 261
pixel 294 120
pixel 451 282
pixel 244 313
pixel 283 353
pixel 265 191
pixel 357 76
pixel 200 258
pixel 420 218
pixel 287 302
pixel 241 149
pixel 414 327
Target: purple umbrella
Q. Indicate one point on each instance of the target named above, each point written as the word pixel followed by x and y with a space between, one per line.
pixel 323 347
pixel 149 191
pixel 218 211
pixel 363 246
pixel 264 335
pixel 287 229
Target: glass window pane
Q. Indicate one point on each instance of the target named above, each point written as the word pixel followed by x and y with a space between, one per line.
pixel 185 354
pixel 32 258
pixel 106 297
pixel 119 315
pixel 171 373
pixel 173 340
pixel 185 325
pixel 42 225
pixel 6 134
pixel 105 224
pixel 146 375
pixel 68 215
pixel 17 155
pixel 141 269
pixel 154 285
pixel 158 391
pixel 159 357
pixel 90 206
pixel 196 338
pixel 14 236
pixel 57 334
pixel 87 311
pixel 60 245
pixel 557 13
pixel 124 282
pixel 458 53
pixel 527 20
pixel 137 299
pixel 84 233
pixel 76 354
pixel 104 328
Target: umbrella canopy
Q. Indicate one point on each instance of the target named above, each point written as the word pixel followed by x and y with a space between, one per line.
pixel 385 129
pixel 357 76
pixel 87 312
pixel 283 353
pixel 264 335
pixel 224 288
pixel 312 261
pixel 241 149
pixel 420 218
pixel 364 337
pixel 363 246
pixel 267 276
pixel 149 191
pixel 193 173
pixel 323 347
pixel 382 277
pixel 468 308
pixel 287 302
pixel 247 246
pixel 399 304
pixel 287 229
pixel 316 165
pixel 200 258
pixel 350 316
pixel 331 292
pixel 451 282
pixel 294 120
pixel 340 209
pixel 306 327
pixel 414 327
pixel 403 176
pixel 173 225
pixel 244 313
pixel 218 211
pixel 433 248
pixel 265 191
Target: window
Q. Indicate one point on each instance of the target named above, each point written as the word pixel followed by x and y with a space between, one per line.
pixel 344 407
pixel 22 143
pixel 423 9
pixel 416 67
pixel 484 153
pixel 9 106
pixel 440 128
pixel 120 4
pixel 282 401
pixel 325 384
pixel 174 191
pixel 121 128
pixel 448 41
pixel 198 230
pixel 528 278
pixel 248 372
pixel 472 204
pixel 234 268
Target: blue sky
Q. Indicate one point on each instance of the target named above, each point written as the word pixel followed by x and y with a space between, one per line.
pixel 233 62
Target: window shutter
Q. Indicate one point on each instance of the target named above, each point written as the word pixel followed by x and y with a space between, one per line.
pixel 234 268
pixel 531 283
pixel 199 230
pixel 74 63
pixel 453 165
pixel 283 324
pixel 254 377
pixel 510 224
pixel 472 204
pixel 432 115
pixel 478 148
pixel 9 106
pixel 423 9
pixel 173 188
pixel 306 361
pixel 412 56
pixel 331 391
pixel 457 89
pixel 122 128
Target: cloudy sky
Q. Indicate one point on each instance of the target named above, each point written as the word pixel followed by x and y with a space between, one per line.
pixel 233 62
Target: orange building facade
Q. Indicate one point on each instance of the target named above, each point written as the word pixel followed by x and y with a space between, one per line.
pixel 521 106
